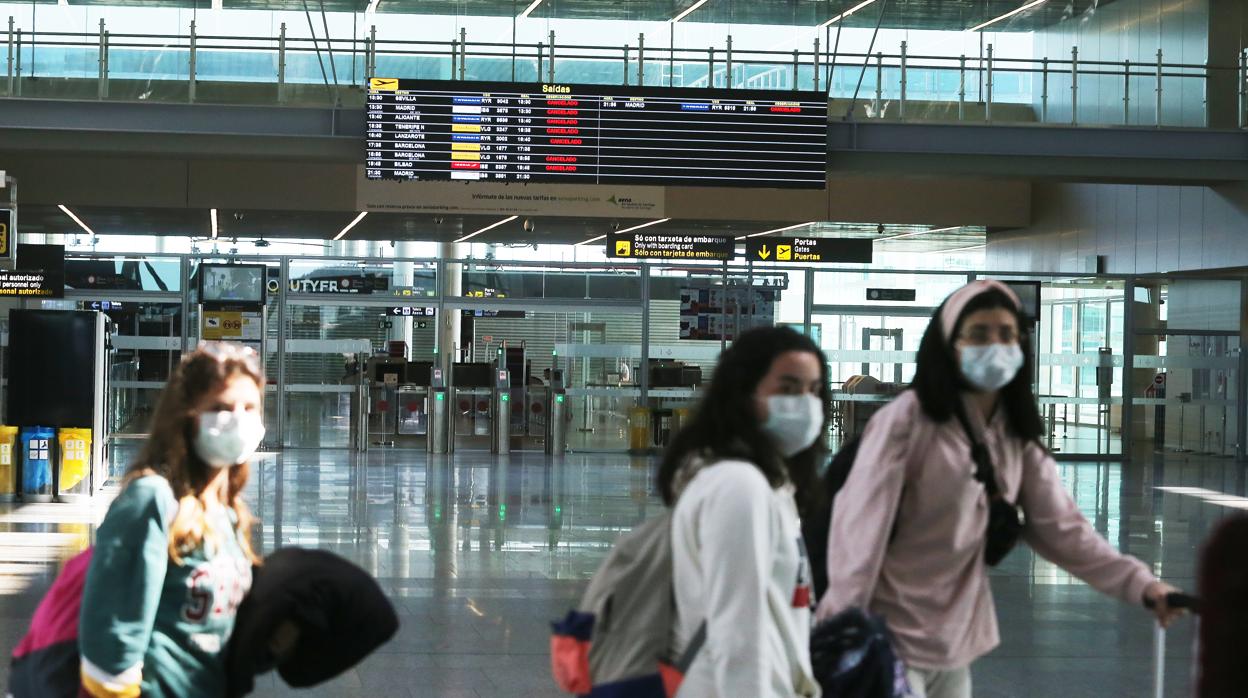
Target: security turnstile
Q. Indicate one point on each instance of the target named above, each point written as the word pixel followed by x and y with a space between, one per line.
pixel 500 443
pixel 439 438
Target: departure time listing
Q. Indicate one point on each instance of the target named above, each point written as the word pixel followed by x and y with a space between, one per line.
pixel 505 132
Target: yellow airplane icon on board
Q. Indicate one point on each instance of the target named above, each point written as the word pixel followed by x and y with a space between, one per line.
pixel 784 253
pixel 388 84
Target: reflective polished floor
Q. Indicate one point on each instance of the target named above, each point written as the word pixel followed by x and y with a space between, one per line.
pixel 479 553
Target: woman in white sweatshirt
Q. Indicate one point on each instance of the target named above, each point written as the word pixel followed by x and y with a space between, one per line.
pixel 737 477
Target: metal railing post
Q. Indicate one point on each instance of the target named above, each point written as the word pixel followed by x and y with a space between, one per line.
pixel 988 90
pixel 626 65
pixel 728 64
pixel 816 64
pixel 1126 93
pixel 1044 90
pixel 371 67
pixel 1205 107
pixel 463 51
pixel 190 91
pixel 879 82
pixel 281 66
pixel 454 55
pixel 99 83
pixel 1074 85
pixel 551 67
pixel 796 64
pixel 901 106
pixel 541 49
pixel 19 62
pixel 710 67
pixel 641 59
pixel 9 91
pixel 1243 85
pixel 107 49
pixel 961 87
pixel 1159 76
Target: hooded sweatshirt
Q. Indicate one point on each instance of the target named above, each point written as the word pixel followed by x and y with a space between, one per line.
pixel 740 565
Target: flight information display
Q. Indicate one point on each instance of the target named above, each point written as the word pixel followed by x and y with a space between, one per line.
pixel 554 133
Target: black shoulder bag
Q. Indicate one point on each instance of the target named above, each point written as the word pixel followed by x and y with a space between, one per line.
pixel 1006 520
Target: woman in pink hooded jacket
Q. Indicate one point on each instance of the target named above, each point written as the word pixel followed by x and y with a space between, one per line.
pixel 908 529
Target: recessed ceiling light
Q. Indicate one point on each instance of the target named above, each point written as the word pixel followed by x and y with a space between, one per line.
pixel 350 225
pixel 76 219
pixel 1007 15
pixel 488 227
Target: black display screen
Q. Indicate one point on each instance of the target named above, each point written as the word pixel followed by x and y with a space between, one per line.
pixel 533 132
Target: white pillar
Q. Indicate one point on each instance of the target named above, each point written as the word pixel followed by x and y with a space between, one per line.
pixel 452 285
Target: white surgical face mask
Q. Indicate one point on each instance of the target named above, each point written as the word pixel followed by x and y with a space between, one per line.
pixel 228 438
pixel 793 422
pixel 992 366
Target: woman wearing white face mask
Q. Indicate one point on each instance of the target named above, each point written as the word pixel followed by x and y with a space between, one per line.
pixel 172 559
pixel 909 537
pixel 736 477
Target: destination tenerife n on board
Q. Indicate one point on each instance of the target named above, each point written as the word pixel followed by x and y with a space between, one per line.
pixel 595 134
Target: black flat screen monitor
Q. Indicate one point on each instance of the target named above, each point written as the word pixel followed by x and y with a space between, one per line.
pixel 231 284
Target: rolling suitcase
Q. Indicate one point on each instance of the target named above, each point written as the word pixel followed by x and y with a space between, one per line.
pixel 1159 641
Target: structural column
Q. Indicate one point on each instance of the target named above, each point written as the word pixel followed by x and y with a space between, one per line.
pixel 451 284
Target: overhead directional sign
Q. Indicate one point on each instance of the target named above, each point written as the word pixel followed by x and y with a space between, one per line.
pixel 809 250
pixel 409 311
pixel 659 245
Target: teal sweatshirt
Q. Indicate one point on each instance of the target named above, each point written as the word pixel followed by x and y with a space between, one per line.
pixel 148 622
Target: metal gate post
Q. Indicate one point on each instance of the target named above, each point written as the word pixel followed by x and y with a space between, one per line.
pixel 641 59
pixel 1159 76
pixel 988 85
pixel 901 107
pixel 1074 85
pixel 551 68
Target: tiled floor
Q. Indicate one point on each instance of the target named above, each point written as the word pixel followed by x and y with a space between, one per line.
pixel 480 553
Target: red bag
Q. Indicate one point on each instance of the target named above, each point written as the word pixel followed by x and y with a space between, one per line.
pixel 46 661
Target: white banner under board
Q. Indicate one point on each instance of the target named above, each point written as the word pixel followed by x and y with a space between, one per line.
pixel 487 198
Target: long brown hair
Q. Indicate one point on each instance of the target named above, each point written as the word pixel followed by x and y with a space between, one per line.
pixel 169 453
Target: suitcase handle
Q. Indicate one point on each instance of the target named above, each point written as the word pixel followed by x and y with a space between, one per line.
pixel 1177 600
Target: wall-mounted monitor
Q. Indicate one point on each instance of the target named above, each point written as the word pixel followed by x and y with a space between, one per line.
pixel 232 284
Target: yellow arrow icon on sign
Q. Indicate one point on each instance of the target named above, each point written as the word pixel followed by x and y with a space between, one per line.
pixel 764 252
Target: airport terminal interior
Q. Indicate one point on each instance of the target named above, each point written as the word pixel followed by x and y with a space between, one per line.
pixel 489 252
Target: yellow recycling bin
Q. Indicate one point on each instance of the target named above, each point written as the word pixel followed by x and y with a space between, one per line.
pixel 639 429
pixel 75 461
pixel 8 466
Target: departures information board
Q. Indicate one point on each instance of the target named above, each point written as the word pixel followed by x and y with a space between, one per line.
pixel 554 133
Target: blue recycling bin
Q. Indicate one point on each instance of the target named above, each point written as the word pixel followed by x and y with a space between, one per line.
pixel 37 460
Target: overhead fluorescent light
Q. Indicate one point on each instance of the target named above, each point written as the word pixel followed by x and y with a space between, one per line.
pixel 529 10
pixel 626 230
pixel 212 216
pixel 491 226
pixel 76 219
pixel 687 12
pixel 372 7
pixel 920 232
pixel 350 225
pixel 777 230
pixel 846 13
pixel 1009 14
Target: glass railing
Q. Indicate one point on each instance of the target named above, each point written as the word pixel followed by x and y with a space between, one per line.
pixel 861 86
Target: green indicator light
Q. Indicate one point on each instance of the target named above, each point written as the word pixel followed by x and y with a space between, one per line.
pixel 506 398
pixel 502 512
pixel 558 398
pixel 440 396
pixel 558 510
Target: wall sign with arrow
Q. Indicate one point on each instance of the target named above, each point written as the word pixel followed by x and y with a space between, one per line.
pixel 809 250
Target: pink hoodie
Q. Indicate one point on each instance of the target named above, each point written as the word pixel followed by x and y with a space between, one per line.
pixel 930 582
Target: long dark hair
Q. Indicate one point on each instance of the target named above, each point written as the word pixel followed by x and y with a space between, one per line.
pixel 169 452
pixel 725 424
pixel 939 383
pixel 1224 611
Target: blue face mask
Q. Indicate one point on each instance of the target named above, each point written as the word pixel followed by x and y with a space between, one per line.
pixel 991 367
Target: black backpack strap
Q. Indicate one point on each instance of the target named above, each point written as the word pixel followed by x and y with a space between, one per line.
pixel 985 473
pixel 691 651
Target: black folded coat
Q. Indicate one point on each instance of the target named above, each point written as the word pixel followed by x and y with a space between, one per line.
pixel 339 610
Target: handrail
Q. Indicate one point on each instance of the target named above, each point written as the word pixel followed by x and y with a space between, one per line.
pixel 891 75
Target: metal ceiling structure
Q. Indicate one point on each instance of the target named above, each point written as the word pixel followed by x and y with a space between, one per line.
pixel 311 225
pixel 952 15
